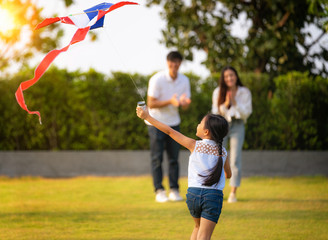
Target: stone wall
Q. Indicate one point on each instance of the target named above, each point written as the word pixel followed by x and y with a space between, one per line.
pixel 60 164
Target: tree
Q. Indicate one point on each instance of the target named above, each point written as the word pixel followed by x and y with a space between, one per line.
pixel 321 7
pixel 18 41
pixel 277 39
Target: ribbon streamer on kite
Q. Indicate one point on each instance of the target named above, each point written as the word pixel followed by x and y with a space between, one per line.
pixel 91 18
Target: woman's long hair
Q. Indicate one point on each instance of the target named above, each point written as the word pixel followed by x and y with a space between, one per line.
pixel 218 128
pixel 224 87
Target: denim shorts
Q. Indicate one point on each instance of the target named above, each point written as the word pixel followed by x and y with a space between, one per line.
pixel 205 203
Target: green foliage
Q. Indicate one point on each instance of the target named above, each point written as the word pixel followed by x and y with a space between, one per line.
pixel 277 40
pixel 258 124
pixel 90 110
pixel 19 44
pixel 79 111
pixel 320 7
pixel 299 112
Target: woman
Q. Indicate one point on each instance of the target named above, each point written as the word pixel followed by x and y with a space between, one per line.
pixel 233 101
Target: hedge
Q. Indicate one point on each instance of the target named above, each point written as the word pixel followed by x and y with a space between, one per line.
pixel 93 111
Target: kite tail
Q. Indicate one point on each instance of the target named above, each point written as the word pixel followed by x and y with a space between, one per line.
pixel 120 4
pixel 50 57
pixel 43 66
pixel 47 22
pixel 102 13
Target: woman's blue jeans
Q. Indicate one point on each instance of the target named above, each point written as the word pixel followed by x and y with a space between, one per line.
pixel 160 141
pixel 236 138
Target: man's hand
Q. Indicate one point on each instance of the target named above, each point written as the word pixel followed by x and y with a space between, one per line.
pixel 174 100
pixel 184 101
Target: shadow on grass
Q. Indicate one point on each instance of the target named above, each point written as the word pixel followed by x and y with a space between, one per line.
pixel 254 200
pixel 75 217
pixel 283 215
pixel 112 225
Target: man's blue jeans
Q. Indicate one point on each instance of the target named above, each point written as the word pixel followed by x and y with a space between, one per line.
pixel 159 141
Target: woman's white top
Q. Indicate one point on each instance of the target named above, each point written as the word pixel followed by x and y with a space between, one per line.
pixel 242 109
pixel 202 160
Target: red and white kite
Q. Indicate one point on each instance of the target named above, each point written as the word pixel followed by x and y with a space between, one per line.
pixel 91 18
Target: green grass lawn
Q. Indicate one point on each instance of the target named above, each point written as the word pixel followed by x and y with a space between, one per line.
pixel 124 208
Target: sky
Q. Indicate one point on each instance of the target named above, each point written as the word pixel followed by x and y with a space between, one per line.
pixel 129 41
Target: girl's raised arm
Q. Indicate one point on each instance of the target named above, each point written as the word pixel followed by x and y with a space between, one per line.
pixel 187 142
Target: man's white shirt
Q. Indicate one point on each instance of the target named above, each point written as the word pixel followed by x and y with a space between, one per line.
pixel 162 87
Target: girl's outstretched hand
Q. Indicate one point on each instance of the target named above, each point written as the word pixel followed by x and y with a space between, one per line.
pixel 142 112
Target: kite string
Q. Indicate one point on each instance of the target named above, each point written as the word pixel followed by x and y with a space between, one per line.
pixel 135 85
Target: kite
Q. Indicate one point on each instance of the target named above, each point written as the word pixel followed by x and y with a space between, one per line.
pixel 91 18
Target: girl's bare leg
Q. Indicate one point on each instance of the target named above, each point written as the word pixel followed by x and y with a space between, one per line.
pixel 196 228
pixel 206 229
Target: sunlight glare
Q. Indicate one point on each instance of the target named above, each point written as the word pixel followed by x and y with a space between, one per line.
pixel 7 21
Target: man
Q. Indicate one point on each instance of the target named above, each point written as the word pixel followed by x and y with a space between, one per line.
pixel 167 91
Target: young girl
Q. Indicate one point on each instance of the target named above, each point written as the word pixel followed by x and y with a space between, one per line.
pixel 207 162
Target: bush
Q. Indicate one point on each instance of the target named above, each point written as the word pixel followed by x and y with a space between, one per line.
pixel 92 111
pixel 258 124
pixel 299 112
pixel 79 111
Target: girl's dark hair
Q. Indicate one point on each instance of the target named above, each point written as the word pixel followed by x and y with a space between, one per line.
pixel 218 128
pixel 223 86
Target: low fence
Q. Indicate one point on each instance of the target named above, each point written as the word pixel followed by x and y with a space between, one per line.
pixel 61 164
